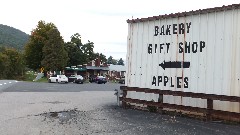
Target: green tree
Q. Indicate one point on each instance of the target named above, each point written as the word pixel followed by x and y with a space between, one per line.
pixel 101 56
pixel 55 56
pixel 121 62
pixel 75 50
pixel 76 39
pixel 115 62
pixel 79 53
pixel 110 60
pixel 74 54
pixel 34 47
pixel 11 63
pixel 87 49
pixel 2 49
pixel 4 64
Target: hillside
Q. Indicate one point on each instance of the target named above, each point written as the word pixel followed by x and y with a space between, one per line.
pixel 12 37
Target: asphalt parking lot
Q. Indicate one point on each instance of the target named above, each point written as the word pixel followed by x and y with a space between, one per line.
pixel 60 87
pixel 73 109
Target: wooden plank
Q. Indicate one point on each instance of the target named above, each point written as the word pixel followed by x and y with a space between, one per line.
pixel 165 105
pixel 185 94
pixel 160 100
pixel 209 111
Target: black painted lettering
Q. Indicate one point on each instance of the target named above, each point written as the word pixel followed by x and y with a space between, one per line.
pixel 194 47
pixel 179 82
pixel 168 30
pixel 161 47
pixel 150 49
pixel 154 81
pixel 181 28
pixel 202 45
pixel 171 83
pixel 180 47
pixel 167 44
pixel 188 27
pixel 174 28
pixel 186 82
pixel 156 30
pixel 155 48
pixel 187 47
pixel 159 79
pixel 162 30
pixel 165 80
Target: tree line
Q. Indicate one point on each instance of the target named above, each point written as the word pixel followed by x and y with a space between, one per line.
pixel 113 61
pixel 46 48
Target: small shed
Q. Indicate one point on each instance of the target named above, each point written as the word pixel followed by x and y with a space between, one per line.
pixel 186 61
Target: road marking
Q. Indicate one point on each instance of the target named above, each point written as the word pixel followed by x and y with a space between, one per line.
pixel 7 83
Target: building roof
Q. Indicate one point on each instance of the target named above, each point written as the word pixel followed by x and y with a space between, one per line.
pixel 117 68
pixel 97 68
pixel 76 68
pixel 183 14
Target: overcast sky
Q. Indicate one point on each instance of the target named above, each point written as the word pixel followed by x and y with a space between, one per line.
pixel 100 21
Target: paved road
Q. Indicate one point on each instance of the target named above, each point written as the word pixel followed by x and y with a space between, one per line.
pixel 72 109
pixel 6 83
pixel 62 87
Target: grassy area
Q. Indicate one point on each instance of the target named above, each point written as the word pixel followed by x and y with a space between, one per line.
pixel 29 76
pixel 44 79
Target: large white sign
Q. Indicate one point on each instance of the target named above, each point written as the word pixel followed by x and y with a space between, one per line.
pixel 183 47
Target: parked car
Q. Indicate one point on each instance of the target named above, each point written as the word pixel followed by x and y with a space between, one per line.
pixel 71 78
pixel 121 80
pixel 92 78
pixel 76 79
pixel 100 80
pixel 58 78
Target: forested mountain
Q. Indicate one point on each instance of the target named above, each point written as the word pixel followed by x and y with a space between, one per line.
pixel 12 37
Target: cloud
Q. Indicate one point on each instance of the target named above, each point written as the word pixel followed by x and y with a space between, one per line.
pixel 102 22
pixel 114 43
